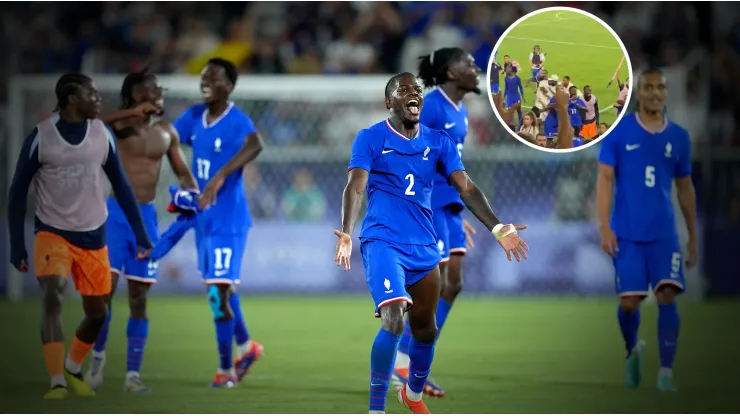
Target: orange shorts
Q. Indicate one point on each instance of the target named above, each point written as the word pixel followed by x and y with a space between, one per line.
pixel 90 269
pixel 588 131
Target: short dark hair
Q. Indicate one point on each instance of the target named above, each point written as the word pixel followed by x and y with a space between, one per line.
pixel 649 71
pixel 433 67
pixel 67 85
pixel 393 82
pixel 566 77
pixel 131 81
pixel 586 86
pixel 229 68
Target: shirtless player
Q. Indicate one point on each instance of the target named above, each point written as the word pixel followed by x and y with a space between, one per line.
pixel 142 143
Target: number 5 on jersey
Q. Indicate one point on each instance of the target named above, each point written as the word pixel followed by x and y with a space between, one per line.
pixel 650 176
pixel 204 168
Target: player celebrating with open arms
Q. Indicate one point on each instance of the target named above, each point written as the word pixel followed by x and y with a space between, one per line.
pixel 639 161
pixel 453 74
pixel 397 160
pixel 65 157
pixel 224 140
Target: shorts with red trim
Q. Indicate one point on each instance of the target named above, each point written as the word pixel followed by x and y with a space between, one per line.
pixel 392 267
pixel 641 265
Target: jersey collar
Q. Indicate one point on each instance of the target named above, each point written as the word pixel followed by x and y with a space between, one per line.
pixel 661 129
pixel 219 118
pixel 447 97
pixel 399 134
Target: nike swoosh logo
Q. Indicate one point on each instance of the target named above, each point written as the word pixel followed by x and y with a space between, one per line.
pixel 632 147
pixel 221 272
pixel 386 151
pixel 450 125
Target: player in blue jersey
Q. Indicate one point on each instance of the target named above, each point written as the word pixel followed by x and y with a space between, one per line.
pixel 495 80
pixel 397 161
pixel 224 140
pixel 576 107
pixel 513 93
pixel 452 73
pixel 639 162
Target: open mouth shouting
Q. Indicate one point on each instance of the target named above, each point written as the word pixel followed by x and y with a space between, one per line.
pixel 413 106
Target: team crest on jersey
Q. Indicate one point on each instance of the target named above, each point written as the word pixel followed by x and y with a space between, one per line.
pixel 217 145
pixel 426 153
pixel 668 149
pixel 466 122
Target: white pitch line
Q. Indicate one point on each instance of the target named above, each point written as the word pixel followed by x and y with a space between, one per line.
pixel 565 43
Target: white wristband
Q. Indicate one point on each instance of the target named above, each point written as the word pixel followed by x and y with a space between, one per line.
pixel 497 231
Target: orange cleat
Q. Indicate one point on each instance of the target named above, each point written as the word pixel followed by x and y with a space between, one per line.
pixel 417 407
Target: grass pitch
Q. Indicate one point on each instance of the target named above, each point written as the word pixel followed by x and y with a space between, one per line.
pixel 494 356
pixel 574 45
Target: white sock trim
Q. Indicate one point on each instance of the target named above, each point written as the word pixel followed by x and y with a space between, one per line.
pixel 72 366
pixel 58 380
pixel 412 395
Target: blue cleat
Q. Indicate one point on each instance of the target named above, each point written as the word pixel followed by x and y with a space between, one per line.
pixel 665 383
pixel 634 365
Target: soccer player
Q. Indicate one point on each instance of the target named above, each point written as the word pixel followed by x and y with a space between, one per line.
pixel 142 143
pixel 639 161
pixel 557 123
pixel 224 140
pixel 624 92
pixel 537 61
pixel 575 107
pixel 567 84
pixel 495 80
pixel 591 116
pixel 397 160
pixel 513 93
pixel 452 73
pixel 545 91
pixel 66 157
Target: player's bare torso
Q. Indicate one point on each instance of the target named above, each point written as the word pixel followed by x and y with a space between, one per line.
pixel 141 150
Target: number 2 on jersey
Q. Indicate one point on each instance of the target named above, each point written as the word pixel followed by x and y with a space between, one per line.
pixel 650 176
pixel 204 168
pixel 410 178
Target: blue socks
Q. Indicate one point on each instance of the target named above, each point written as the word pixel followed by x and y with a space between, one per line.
pixel 668 325
pixel 103 334
pixel 225 340
pixel 443 309
pixel 382 358
pixel 629 323
pixel 137 331
pixel 241 334
pixel 421 356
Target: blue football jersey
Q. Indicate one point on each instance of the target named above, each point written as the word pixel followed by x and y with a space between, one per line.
pixel 574 112
pixel 551 120
pixel 645 165
pixel 213 146
pixel 440 113
pixel 402 173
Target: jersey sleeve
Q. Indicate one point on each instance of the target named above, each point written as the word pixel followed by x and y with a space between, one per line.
pixel 184 126
pixel 430 117
pixel 362 151
pixel 449 158
pixel 581 102
pixel 246 126
pixel 608 151
pixel 683 165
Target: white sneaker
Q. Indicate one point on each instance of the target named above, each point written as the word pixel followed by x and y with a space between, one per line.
pixel 94 376
pixel 134 384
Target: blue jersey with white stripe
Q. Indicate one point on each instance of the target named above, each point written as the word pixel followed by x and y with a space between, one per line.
pixel 645 164
pixel 214 144
pixel 441 113
pixel 402 173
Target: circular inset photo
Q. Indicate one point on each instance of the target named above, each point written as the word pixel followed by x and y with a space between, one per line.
pixel 559 79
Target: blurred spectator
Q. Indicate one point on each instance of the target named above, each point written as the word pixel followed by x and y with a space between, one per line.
pixel 261 197
pixel 303 201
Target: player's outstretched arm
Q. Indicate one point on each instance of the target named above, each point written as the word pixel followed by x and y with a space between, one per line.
pixel 26 167
pixel 142 110
pixel 127 199
pixel 565 132
pixel 177 160
pixel 352 198
pixel 476 202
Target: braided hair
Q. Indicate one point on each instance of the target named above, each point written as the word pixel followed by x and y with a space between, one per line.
pixel 67 85
pixel 131 81
pixel 433 67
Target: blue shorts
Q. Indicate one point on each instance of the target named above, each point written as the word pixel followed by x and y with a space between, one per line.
pixel 639 266
pixel 450 233
pixel 220 257
pixel 535 73
pixel 121 242
pixel 391 267
pixel 512 99
pixel 495 88
pixel 551 131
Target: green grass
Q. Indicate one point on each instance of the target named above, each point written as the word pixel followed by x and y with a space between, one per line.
pixel 575 45
pixel 495 355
